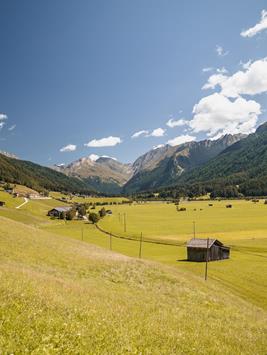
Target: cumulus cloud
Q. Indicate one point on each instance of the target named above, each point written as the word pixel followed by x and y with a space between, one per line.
pixel 214 80
pixel 216 114
pixel 140 133
pixel 68 148
pixel 104 142
pixel 176 123
pixel 181 139
pixel 11 128
pixel 261 26
pixel 251 81
pixel 158 132
pixel 220 51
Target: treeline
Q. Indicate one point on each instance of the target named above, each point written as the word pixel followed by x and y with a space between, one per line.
pixel 38 177
pixel 221 188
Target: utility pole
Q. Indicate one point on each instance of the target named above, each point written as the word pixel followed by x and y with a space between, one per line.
pixel 110 241
pixel 207 259
pixel 124 222
pixel 140 245
pixel 194 229
pixel 82 233
pixel 119 217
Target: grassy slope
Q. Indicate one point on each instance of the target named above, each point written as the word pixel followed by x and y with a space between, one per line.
pixel 59 295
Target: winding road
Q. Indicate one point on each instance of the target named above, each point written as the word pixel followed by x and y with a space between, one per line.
pixel 26 200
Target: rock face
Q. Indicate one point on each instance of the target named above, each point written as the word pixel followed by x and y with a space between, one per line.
pixel 104 174
pixel 163 166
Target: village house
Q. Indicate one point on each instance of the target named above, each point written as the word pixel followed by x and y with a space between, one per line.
pixel 56 212
pixel 197 250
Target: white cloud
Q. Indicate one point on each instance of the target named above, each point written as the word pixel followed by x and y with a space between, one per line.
pixel 11 128
pixel 178 123
pixel 261 26
pixel 140 133
pixel 158 132
pixel 220 51
pixel 68 148
pixel 214 80
pixel 3 116
pixel 208 69
pixel 158 146
pixel 181 139
pixel 104 142
pixel 251 81
pixel 216 114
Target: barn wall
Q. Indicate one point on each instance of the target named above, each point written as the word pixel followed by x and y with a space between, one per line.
pixel 196 254
pixel 215 253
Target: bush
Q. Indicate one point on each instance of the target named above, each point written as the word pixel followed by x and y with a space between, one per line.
pixel 82 210
pixel 70 215
pixel 102 212
pixel 94 217
pixel 229 206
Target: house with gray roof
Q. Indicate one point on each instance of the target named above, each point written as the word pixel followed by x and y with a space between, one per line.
pixel 56 212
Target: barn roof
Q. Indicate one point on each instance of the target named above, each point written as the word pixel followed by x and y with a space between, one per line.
pixel 62 209
pixel 202 243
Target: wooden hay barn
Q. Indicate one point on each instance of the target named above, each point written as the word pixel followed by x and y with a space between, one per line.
pixel 197 250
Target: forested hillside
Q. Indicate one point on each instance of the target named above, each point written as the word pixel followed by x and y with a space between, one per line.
pixel 38 177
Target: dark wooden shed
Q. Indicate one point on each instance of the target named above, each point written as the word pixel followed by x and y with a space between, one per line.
pixel 197 250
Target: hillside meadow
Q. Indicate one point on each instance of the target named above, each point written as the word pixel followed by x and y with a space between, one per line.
pixel 60 295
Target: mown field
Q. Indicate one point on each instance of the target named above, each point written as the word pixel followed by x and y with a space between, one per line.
pixel 242 278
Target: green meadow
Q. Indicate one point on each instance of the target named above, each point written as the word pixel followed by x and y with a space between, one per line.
pixel 80 295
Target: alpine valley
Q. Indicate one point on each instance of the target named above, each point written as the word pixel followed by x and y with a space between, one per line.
pixel 232 160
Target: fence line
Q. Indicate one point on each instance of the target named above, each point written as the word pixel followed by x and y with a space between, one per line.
pixel 151 241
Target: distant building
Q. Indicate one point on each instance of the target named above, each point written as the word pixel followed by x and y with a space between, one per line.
pixel 197 250
pixel 56 212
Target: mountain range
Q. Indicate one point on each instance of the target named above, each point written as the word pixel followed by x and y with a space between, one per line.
pixel 159 167
pixel 235 161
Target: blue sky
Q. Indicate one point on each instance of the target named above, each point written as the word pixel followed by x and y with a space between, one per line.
pixel 76 72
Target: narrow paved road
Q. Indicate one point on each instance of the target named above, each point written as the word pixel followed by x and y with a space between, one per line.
pixel 26 200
